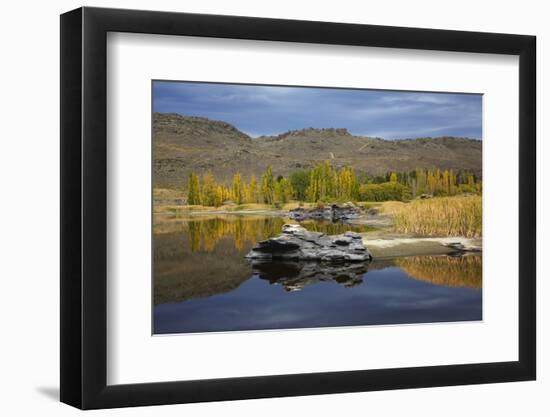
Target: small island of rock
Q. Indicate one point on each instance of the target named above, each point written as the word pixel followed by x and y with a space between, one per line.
pixel 297 243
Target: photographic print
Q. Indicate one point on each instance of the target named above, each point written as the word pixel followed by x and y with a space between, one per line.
pixel 290 207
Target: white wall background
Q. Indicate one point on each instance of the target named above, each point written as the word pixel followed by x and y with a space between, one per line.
pixel 29 225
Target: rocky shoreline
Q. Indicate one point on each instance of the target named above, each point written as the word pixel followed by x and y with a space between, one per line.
pixel 386 247
pixel 295 243
pixel 332 212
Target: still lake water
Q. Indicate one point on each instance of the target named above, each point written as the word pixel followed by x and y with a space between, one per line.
pixel 202 282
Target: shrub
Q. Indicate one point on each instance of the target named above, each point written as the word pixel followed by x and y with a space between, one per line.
pixel 384 192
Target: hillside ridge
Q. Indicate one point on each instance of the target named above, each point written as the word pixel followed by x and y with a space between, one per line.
pixel 184 144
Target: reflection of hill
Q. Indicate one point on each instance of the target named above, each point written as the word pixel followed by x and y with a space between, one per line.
pixel 294 276
pixel 460 271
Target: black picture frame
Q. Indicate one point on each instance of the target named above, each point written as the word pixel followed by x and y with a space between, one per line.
pixel 84 207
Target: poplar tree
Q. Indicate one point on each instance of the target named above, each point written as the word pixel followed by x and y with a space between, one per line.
pixel 267 186
pixel 420 181
pixel 252 190
pixel 346 186
pixel 238 190
pixel 300 183
pixel 193 190
pixel 446 182
pixel 322 182
pixel 209 190
pixel 283 191
pixel 452 183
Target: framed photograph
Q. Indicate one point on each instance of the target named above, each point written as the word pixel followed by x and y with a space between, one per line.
pixel 257 208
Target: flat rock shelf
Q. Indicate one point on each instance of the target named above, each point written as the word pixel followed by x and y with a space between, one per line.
pixel 297 243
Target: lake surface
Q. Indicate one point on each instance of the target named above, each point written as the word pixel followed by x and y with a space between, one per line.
pixel 202 283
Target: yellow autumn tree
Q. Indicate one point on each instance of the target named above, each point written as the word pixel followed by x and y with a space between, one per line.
pixel 238 189
pixel 193 190
pixel 252 190
pixel 267 186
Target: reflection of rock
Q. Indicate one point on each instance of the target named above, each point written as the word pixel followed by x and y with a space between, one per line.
pixel 332 212
pixel 294 276
pixel 296 243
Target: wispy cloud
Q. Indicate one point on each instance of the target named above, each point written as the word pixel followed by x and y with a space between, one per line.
pixel 264 110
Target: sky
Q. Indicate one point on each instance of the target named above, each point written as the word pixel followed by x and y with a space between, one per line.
pixel 269 110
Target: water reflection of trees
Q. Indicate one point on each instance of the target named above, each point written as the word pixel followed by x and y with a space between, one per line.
pixel 180 274
pixel 204 256
pixel 459 271
pixel 205 233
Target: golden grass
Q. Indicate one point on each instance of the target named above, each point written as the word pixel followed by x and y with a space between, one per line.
pixel 446 216
pixel 392 207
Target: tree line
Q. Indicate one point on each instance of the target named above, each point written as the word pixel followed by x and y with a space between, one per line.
pixel 325 183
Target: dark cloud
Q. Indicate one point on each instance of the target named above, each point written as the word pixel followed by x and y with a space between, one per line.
pixel 264 110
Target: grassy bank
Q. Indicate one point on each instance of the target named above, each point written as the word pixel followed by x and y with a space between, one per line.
pixel 172 201
pixel 439 216
pixel 447 216
pixel 183 210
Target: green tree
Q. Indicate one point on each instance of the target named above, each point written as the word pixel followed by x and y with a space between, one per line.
pixel 283 191
pixel 421 181
pixel 300 183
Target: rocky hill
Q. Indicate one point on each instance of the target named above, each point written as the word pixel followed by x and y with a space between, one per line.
pixel 184 144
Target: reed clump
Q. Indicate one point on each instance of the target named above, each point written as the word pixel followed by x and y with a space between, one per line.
pixel 444 216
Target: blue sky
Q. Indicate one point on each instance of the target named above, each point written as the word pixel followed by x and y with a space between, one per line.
pixel 267 110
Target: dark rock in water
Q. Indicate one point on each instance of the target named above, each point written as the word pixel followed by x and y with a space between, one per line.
pixel 373 211
pixel 461 248
pixel 315 213
pixel 333 212
pixel 294 276
pixel 296 243
pixel 455 245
